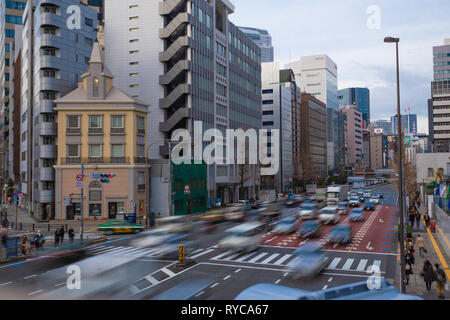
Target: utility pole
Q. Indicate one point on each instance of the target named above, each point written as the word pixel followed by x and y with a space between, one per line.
pixel 82 205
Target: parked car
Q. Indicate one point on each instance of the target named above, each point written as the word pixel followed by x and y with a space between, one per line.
pixel 369 206
pixel 341 234
pixel 375 200
pixel 329 215
pixel 308 211
pixel 309 260
pixel 309 229
pixel 286 225
pixel 354 201
pixel 342 207
pixel 357 215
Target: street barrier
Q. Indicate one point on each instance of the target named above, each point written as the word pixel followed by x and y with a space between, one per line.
pixel 443 227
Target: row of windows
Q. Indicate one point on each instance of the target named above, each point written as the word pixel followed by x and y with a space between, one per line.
pixel 9 33
pixel 221 50
pixel 13 19
pixel 207 19
pixel 15 5
pixel 238 44
pixel 442 55
pixel 439 64
pixel 442 72
pixel 96 150
pixel 96 122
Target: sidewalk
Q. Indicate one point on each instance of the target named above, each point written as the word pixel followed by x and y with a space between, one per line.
pixel 416 283
pixel 22 215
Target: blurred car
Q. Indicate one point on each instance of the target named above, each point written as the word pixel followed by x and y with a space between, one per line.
pixel 361 198
pixel 162 235
pixel 309 229
pixel 357 215
pixel 341 234
pixel 379 195
pixel 329 215
pixel 256 204
pixel 245 237
pixel 354 201
pixel 286 225
pixel 309 260
pixel 235 213
pixel 119 226
pixel 367 193
pixel 293 201
pixel 342 207
pixel 360 192
pixel 375 200
pixel 369 206
pixel 308 211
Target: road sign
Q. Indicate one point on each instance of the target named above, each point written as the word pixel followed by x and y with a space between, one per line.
pixel 79 177
pixel 21 194
pixel 181 252
pixel 187 189
pixel 96 175
pixel 79 184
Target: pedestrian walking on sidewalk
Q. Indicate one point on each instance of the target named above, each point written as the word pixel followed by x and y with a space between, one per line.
pixel 421 245
pixel 409 261
pixel 418 216
pixel 71 234
pixel 427 274
pixel 412 217
pixel 427 220
pixel 57 237
pixel 440 281
pixel 61 234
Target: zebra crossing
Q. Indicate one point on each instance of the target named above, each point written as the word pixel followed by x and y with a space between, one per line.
pixel 129 251
pixel 335 263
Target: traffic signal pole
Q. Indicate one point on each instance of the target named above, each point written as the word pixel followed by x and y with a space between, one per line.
pixel 82 205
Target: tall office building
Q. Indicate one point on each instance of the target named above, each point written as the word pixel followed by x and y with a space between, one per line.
pixel 317 75
pixel 386 125
pixel 430 141
pixel 359 97
pixel 263 39
pixel 277 99
pixel 409 123
pixel 10 16
pixel 440 93
pixel 189 63
pixel 53 59
pixel 354 136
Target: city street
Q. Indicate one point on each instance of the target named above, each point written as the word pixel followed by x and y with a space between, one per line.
pixel 141 273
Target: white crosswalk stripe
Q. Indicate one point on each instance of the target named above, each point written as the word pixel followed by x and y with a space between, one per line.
pixel 348 264
pixel 246 256
pixel 232 256
pixel 270 258
pixel 282 259
pixel 362 265
pixel 334 263
pixel 258 257
pixel 221 255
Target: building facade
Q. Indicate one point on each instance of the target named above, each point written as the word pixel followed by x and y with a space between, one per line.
pixel 53 59
pixel 354 136
pixel 378 149
pixel 189 63
pixel 104 129
pixel 313 138
pixel 360 97
pixel 366 161
pixel 386 125
pixel 263 39
pixel 409 123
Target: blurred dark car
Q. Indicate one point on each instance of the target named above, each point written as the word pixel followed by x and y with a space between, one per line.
pixel 341 234
pixel 309 229
pixel 369 206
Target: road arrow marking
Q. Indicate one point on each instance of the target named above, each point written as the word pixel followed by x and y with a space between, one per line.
pixel 381 220
pixel 369 247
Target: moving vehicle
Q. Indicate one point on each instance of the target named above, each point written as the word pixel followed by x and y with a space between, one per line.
pixel 341 234
pixel 369 206
pixel 342 207
pixel 375 200
pixel 357 215
pixel 173 233
pixel 235 213
pixel 245 237
pixel 309 229
pixel 329 215
pixel 354 201
pixel 286 225
pixel 270 213
pixel 119 226
pixel 367 193
pixel 379 195
pixel 308 211
pixel 336 194
pixel 293 201
pixel 309 260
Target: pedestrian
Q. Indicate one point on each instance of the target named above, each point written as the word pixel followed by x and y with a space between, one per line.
pixel 71 234
pixel 61 234
pixel 410 258
pixel 412 217
pixel 56 237
pixel 4 239
pixel 409 261
pixel 441 279
pixel 36 239
pixel 427 219
pixel 41 239
pixel 427 274
pixel 23 245
pixel 418 216
pixel 421 245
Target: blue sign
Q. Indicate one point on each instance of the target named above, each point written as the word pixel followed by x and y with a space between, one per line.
pixel 96 176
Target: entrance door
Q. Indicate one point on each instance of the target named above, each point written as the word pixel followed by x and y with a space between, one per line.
pixel 112 210
pixel 70 213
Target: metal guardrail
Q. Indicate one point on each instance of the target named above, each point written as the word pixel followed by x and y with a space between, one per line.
pixel 443 227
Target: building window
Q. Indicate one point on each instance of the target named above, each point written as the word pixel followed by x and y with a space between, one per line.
pixel 267 102
pixel 95 88
pixel 221 90
pixel 88 42
pixel 134 40
pixel 267 91
pixel 117 151
pixel 9 33
pixel 49 73
pixel 50 30
pixel 133 63
pixel 267 113
pixel 95 150
pixel 73 122
pixel 200 15
pixel 73 150
pixel 134 74
pixel 141 180
pixel 140 151
pixel 117 121
pixel 221 50
pixel 135 85
pixel 133 6
pixel 141 125
pixel 134 29
pixel 88 22
pixel 95 122
pixel 15 5
pixel 133 51
pixel 208 21
pixel 49 52
pixel 267 123
pixel 7 47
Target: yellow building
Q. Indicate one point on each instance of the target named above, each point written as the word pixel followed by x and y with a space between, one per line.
pixel 104 129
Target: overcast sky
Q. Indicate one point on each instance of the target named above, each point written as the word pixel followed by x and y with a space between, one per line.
pixel 340 30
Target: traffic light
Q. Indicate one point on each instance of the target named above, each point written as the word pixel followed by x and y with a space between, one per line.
pixel 106 177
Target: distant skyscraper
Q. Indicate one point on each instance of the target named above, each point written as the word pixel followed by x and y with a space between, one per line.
pixel 263 39
pixel 386 125
pixel 409 123
pixel 359 97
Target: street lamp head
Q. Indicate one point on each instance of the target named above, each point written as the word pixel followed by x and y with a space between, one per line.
pixel 391 39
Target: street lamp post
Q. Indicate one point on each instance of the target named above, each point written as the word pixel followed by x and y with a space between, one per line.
pixel 400 168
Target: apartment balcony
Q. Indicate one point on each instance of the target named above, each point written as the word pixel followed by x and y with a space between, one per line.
pixel 47 151
pixel 175 71
pixel 170 123
pixel 176 94
pixel 180 20
pixel 49 61
pixel 49 18
pixel 47 129
pixel 140 160
pixel 50 40
pixel 174 48
pixel 46 174
pixel 46 196
pixel 52 84
pixel 54 2
pixel 166 7
pixel 47 106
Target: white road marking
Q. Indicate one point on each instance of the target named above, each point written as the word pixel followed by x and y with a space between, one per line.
pixel 215 284
pixel 246 256
pixel 237 270
pixel 334 263
pixel 276 282
pixel 60 284
pixel 6 283
pixel 377 263
pixel 258 257
pixel 270 239
pixel 168 272
pixel 32 293
pixel 32 276
pixel 200 293
pixel 282 259
pixel 326 286
pixel 221 255
pixel 232 256
pixel 202 253
pixel 348 264
pixel 331 279
pixel 361 265
pixel 152 280
pixel 270 258
pixel 227 277
pixel 285 275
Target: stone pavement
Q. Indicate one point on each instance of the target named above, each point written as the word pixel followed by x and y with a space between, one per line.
pixel 416 284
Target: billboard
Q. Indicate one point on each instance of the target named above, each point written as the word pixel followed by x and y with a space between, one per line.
pixel 378 131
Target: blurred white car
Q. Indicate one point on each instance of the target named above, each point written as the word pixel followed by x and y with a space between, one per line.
pixel 308 211
pixel 286 225
pixel 329 215
pixel 309 260
pixel 245 237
